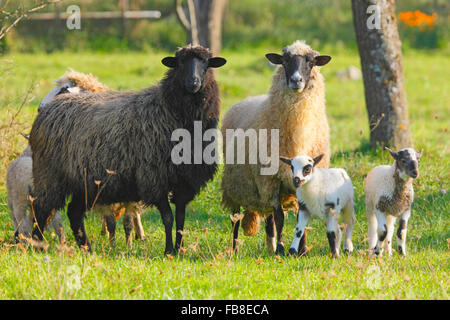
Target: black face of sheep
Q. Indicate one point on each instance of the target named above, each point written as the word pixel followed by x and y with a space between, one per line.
pixel 193 68
pixel 297 68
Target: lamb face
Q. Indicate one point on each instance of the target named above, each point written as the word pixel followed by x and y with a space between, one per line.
pixel 407 160
pixel 302 168
pixel 67 86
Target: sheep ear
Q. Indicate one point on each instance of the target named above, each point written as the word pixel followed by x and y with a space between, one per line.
pixel 170 62
pixel 216 62
pixel 275 58
pixel 321 60
pixel 286 160
pixel 392 153
pixel 317 159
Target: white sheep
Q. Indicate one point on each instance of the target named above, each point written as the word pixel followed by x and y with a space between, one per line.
pixel 19 179
pixel 74 82
pixel 389 195
pixel 295 105
pixel 324 194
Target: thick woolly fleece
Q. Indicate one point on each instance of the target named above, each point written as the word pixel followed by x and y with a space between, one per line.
pixel 121 142
pixel 303 129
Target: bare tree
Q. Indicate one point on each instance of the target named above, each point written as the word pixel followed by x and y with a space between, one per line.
pixel 12 18
pixel 381 61
pixel 202 20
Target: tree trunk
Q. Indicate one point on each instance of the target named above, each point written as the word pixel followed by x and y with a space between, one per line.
pixel 382 68
pixel 207 27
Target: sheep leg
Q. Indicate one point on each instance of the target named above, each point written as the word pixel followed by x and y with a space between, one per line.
pixel 390 221
pixel 58 227
pixel 302 221
pixel 334 234
pixel 104 231
pixel 140 234
pixel 13 215
pixel 40 216
pixel 401 232
pixel 180 214
pixel 128 227
pixel 349 220
pixel 372 229
pixel 23 223
pixel 110 222
pixel 279 223
pixel 270 234
pixel 167 218
pixel 235 229
pixel 75 211
pixel 381 232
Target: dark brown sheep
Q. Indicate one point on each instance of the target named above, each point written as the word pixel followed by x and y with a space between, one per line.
pixel 113 147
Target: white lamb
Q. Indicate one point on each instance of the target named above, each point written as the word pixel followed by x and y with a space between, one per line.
pixel 18 184
pixel 389 195
pixel 324 193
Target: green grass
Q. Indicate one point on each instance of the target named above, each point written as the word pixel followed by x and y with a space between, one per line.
pixel 207 270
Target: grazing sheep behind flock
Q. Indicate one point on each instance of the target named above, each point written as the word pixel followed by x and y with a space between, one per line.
pixel 75 82
pixel 295 105
pixel 389 195
pixel 114 147
pixel 325 194
pixel 19 181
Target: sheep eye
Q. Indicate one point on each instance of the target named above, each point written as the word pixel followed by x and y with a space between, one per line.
pixel 307 170
pixel 63 90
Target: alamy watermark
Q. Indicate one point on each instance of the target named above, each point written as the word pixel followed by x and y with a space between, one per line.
pixel 73 21
pixel 373 277
pixel 374 20
pixel 193 151
pixel 73 278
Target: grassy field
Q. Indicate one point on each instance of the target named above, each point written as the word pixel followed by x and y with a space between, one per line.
pixel 207 270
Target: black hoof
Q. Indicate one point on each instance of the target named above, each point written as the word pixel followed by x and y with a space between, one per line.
pixel 280 249
pixel 376 251
pixel 170 251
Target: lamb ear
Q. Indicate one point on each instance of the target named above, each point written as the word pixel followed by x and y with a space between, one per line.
pixel 170 62
pixel 275 58
pixel 321 60
pixel 216 62
pixel 392 153
pixel 317 159
pixel 286 160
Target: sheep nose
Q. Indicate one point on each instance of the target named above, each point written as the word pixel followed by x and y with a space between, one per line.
pixel 296 77
pixel 194 85
pixel 296 182
pixel 414 174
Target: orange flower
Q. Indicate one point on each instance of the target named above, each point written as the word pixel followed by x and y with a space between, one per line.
pixel 418 19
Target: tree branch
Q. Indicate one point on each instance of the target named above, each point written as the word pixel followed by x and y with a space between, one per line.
pixel 191 26
pixel 181 16
pixel 24 14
